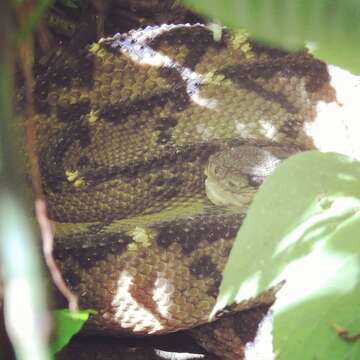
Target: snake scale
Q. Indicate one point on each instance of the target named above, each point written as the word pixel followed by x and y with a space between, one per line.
pixel 135 136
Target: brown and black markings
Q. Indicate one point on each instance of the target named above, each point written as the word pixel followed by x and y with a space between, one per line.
pixel 53 172
pixel 204 267
pixel 165 127
pixel 197 45
pixel 73 112
pixel 95 247
pixel 242 328
pixel 165 185
pixel 51 157
pixel 246 323
pixel 61 73
pixel 119 113
pixel 188 233
pixel 300 65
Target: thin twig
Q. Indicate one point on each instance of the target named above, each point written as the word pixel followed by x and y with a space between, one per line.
pixel 343 333
pixel 48 245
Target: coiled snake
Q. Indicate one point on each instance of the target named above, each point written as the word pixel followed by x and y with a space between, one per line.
pixel 129 133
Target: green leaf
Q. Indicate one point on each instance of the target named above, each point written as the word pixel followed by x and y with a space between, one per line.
pixel 68 323
pixel 331 26
pixel 304 227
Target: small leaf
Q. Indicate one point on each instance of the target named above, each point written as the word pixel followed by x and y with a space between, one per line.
pixel 68 323
pixel 304 227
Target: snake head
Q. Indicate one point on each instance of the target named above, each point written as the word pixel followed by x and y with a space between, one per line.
pixel 234 175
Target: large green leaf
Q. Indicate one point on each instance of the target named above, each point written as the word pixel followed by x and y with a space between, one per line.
pixel 304 227
pixel 332 26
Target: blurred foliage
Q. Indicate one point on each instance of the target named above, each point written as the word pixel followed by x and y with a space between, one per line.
pixel 24 302
pixel 332 27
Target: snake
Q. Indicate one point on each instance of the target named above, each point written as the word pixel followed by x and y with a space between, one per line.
pixel 151 147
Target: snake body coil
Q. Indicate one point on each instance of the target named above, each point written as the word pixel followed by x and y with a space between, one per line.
pixel 125 133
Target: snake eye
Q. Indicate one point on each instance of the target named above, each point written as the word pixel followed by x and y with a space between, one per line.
pixel 256 181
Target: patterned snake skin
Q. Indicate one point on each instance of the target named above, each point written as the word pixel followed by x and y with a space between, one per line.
pixel 129 133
